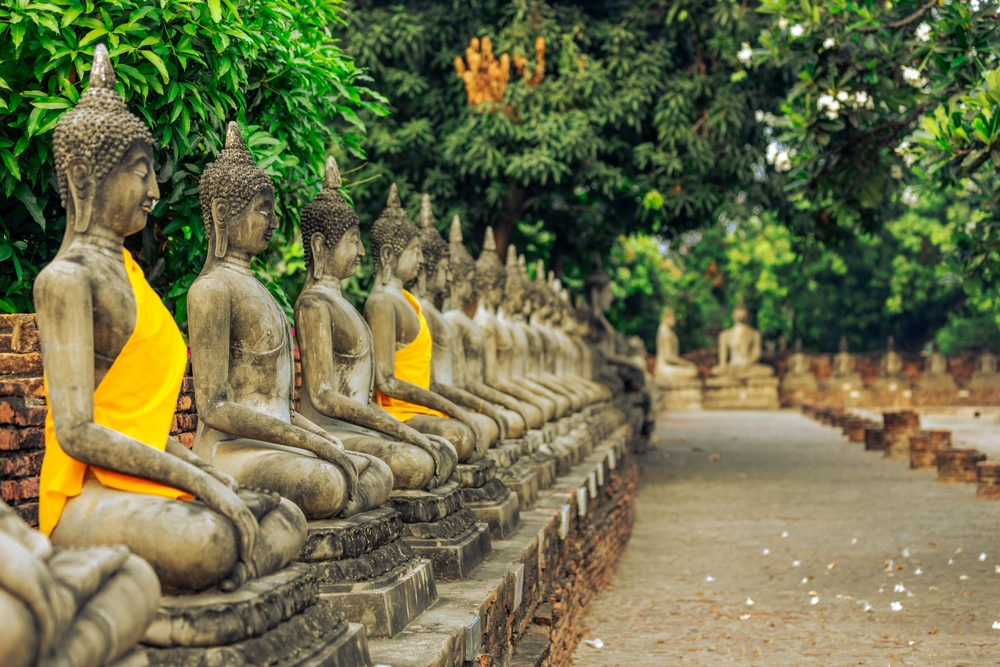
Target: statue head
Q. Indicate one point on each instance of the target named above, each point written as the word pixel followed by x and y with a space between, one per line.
pixel 669 317
pixel 598 285
pixel 395 242
pixel 237 200
pixel 435 269
pixel 490 274
pixel 798 345
pixel 462 266
pixel 104 158
pixel 331 232
pixel 843 344
pixel 515 285
pixel 740 313
pixel 891 344
pixel 540 295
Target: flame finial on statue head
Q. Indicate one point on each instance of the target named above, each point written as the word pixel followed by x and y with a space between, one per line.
pixel 455 233
pixel 393 199
pixel 331 177
pixel 511 256
pixel 102 74
pixel 233 137
pixel 489 241
pixel 426 218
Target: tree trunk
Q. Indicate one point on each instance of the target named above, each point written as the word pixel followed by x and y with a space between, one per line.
pixel 513 207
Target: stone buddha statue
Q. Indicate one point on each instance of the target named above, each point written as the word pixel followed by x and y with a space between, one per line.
pixel 502 297
pixel 740 349
pixel 114 361
pixel 81 607
pixel 243 365
pixel 936 371
pixel 670 366
pixel 986 375
pixel 475 352
pixel 799 375
pixel 402 339
pixel 891 375
pixel 448 363
pixel 569 357
pixel 845 373
pixel 338 367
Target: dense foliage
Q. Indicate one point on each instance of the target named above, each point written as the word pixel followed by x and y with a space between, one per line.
pixel 187 67
pixel 640 117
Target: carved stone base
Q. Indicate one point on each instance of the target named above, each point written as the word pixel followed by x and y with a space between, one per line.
pixel 385 606
pixel 522 479
pixel 502 516
pixel 440 528
pixel 741 394
pixel 374 574
pixel 505 453
pixel 455 557
pixel 275 620
pixel 544 468
pixel 488 496
pixel 679 396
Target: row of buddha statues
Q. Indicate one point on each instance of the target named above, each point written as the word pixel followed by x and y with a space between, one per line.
pixel 740 351
pixel 396 403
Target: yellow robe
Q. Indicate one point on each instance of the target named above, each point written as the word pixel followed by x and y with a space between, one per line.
pixel 413 365
pixel 137 397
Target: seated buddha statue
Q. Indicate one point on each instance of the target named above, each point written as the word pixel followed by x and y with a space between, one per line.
pixel 891 375
pixel 114 362
pixel 985 375
pixel 402 340
pixel 740 349
pixel 80 607
pixel 567 358
pixel 845 369
pixel 338 367
pixel 243 364
pixel 448 357
pixel 472 353
pixel 670 366
pixel 799 375
pixel 936 371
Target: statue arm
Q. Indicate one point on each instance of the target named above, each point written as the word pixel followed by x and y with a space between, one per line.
pixel 28 580
pixel 472 402
pixel 209 334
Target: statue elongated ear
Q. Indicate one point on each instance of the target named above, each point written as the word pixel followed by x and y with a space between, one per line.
pixel 80 174
pixel 386 256
pixel 220 215
pixel 317 243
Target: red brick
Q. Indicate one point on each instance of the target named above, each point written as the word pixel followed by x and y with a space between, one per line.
pixel 185 403
pixel 30 415
pixel 22 465
pixel 19 489
pixel 12 363
pixel 186 439
pixel 187 385
pixel 22 387
pixel 24 439
pixel 186 423
pixel 28 512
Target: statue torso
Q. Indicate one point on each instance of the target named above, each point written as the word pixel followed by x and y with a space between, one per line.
pixel 473 346
pixel 351 346
pixel 843 364
pixel 741 342
pixel 442 358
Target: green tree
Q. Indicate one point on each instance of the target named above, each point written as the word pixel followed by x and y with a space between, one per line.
pixel 187 67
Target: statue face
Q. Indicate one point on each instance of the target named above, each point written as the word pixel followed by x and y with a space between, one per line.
pixel 343 260
pixel 439 282
pixel 669 318
pixel 251 229
pixel 408 264
pixel 124 198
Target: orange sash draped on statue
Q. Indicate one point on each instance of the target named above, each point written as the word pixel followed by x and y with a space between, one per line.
pixel 137 397
pixel 413 365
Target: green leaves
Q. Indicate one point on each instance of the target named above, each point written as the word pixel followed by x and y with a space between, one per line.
pixel 186 67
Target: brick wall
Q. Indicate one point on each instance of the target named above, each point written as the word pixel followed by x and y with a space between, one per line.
pixel 23 409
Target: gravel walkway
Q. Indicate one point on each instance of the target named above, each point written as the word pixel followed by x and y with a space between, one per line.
pixel 794 548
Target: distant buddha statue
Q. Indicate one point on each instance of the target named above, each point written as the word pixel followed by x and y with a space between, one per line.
pixel 114 362
pixel 243 364
pixel 670 366
pixel 82 607
pixel 936 371
pixel 986 375
pixel 799 375
pixel 402 340
pixel 845 374
pixel 338 367
pixel 891 369
pixel 740 349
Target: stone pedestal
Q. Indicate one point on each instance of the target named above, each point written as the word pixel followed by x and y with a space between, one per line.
pixel 898 427
pixel 988 480
pixel 924 447
pixel 275 620
pixel 440 528
pixel 724 393
pixel 874 439
pixel 488 496
pixel 374 575
pixel 958 465
pixel 678 395
pixel 855 427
